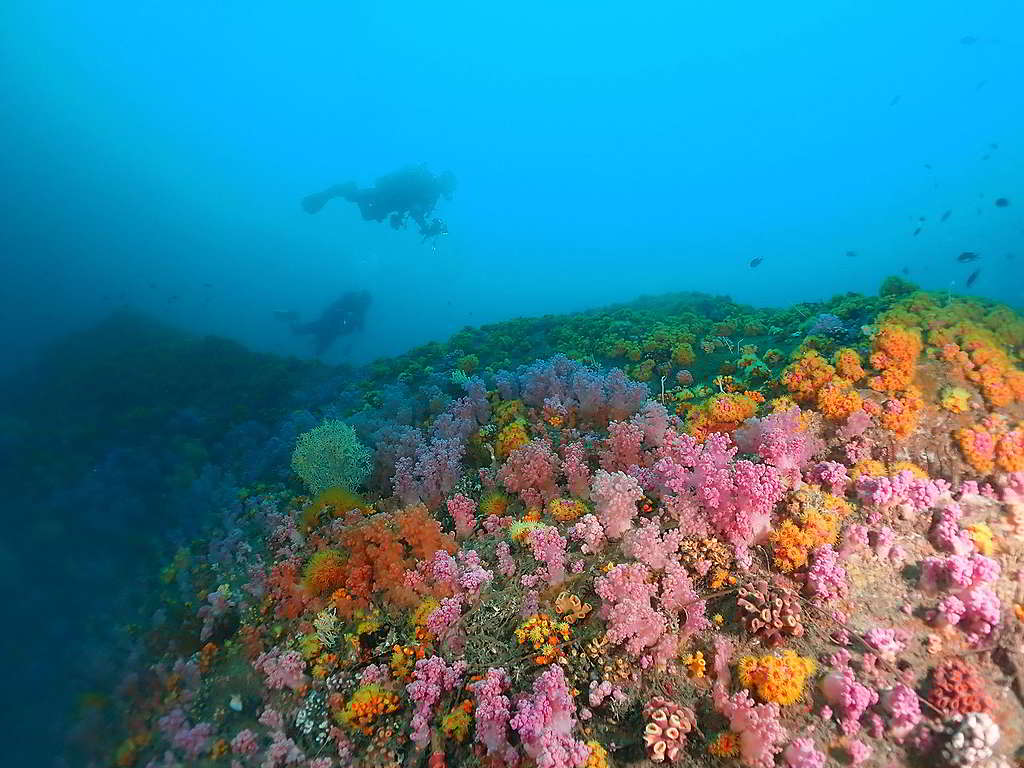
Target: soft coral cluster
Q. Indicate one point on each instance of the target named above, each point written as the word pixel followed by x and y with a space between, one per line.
pixel 642 613
pixel 545 721
pixel 531 471
pixel 761 735
pixel 708 490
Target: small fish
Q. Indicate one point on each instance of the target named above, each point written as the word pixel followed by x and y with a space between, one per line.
pixel 993 145
pixel 922 218
pixel 1009 257
pixel 967 256
pixel 972 277
pixel 755 261
pixel 985 157
pixel 851 254
pixel 895 101
pixel 980 85
pixel 1002 202
pixel 207 285
pixel 946 215
pixel 917 231
pixel 172 299
pixel 905 270
pixel 968 40
pixel 928 166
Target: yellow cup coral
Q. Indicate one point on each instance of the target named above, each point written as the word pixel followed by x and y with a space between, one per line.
pixel 779 679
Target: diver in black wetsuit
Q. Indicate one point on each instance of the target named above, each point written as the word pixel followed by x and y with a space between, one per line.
pixel 342 317
pixel 409 193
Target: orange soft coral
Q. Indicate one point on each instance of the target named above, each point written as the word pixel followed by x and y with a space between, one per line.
pixel 896 350
pixel 793 540
pixel 848 365
pixel 381 548
pixel 422 533
pixel 991 444
pixel 977 353
pixel 778 679
pixel 723 412
pixel 837 400
pixel 899 414
pixel 806 375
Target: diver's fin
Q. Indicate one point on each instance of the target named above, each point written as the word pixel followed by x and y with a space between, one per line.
pixel 315 202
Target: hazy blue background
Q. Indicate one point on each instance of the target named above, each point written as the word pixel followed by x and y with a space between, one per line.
pixel 603 150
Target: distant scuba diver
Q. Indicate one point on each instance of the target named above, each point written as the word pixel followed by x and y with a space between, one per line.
pixel 411 192
pixel 342 317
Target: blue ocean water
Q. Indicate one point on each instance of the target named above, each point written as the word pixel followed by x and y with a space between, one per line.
pixel 157 155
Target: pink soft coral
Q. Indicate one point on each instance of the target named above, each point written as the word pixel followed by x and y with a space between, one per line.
pixel 530 471
pixel 431 678
pixel 831 474
pixel 706 487
pixel 782 440
pixel 548 547
pixel 628 595
pixel 623 446
pixel 576 469
pixel 760 733
pixel 650 546
pixel 492 714
pixel 615 496
pixel 589 533
pixel 463 512
pixel 283 669
pixel 801 753
pixel 905 491
pixel 545 721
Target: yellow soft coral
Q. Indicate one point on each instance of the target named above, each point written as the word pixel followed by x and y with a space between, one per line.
pixel 598 757
pixel 543 634
pixel 955 399
pixel 325 572
pixel 723 412
pixel 334 502
pixel 494 503
pixel 805 376
pixel 368 703
pixel 982 537
pixel 510 437
pixel 725 744
pixel 778 679
pixel 566 510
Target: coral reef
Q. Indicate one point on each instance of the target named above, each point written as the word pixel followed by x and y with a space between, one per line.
pixel 761 538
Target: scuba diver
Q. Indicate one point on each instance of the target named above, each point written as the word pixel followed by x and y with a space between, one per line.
pixel 411 192
pixel 342 317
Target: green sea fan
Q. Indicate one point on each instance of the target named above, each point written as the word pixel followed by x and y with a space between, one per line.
pixel 331 455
